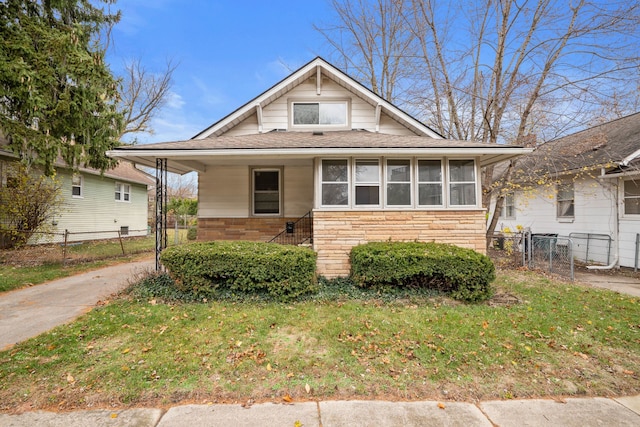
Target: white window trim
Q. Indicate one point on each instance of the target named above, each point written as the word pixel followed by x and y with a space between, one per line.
pixel 450 183
pixel 503 212
pixel 252 177
pixel 345 101
pixel 412 178
pixel 442 182
pixel 565 218
pixel 81 185
pixel 351 206
pixel 366 183
pixel 623 201
pixel 121 198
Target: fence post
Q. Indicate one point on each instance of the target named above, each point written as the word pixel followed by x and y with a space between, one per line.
pixel 64 247
pixel 121 244
pixel 175 238
pixel 635 265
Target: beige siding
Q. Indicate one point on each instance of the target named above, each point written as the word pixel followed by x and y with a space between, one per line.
pixel 335 233
pixel 223 191
pixel 298 190
pixel 390 126
pixel 97 214
pixel 275 115
pixel 247 127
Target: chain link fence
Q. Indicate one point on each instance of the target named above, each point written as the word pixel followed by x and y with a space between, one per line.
pixel 546 252
pixel 70 247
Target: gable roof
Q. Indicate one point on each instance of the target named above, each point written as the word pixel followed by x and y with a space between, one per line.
pixel 214 146
pixel 612 145
pixel 315 67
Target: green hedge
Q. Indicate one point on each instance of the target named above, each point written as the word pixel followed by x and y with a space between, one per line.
pixel 284 272
pixel 463 273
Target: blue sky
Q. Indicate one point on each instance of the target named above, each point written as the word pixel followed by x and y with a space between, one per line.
pixel 227 52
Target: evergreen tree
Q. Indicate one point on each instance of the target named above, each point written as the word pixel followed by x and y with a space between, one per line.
pixel 58 96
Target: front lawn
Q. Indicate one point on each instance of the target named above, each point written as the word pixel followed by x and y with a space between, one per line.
pixel 559 340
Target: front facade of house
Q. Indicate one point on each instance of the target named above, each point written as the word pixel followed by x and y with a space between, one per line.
pixel 599 195
pixel 318 144
pixel 93 205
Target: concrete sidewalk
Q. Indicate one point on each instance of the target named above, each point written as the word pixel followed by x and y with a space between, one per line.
pixel 28 312
pixel 539 412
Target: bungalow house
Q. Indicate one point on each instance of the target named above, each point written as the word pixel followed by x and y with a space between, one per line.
pixel 320 145
pixel 585 186
pixel 94 205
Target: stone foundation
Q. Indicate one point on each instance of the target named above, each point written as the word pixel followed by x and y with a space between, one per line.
pixel 335 233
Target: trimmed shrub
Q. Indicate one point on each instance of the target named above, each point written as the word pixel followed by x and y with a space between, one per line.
pixel 284 272
pixel 192 233
pixel 462 273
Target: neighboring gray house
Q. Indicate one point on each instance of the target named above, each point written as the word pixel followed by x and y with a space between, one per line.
pixel 319 145
pixel 596 192
pixel 95 205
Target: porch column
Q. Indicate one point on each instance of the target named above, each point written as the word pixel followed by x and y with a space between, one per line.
pixel 161 211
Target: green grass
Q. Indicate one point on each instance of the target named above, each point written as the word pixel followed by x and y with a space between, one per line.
pixel 562 339
pixel 81 257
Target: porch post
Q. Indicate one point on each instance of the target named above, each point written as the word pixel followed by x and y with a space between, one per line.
pixel 161 211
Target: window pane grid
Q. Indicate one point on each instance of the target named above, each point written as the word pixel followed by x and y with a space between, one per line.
pixel 266 192
pixel 565 200
pixel 632 198
pixel 462 185
pixel 335 182
pixel 430 183
pixel 399 182
pixel 367 177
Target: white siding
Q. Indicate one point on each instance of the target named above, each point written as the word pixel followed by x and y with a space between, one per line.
pixel 595 213
pixel 97 214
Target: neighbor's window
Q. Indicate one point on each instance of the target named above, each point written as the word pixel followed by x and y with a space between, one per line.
pixel 430 182
pixel 508 206
pixel 76 186
pixel 632 198
pixel 462 182
pixel 320 113
pixel 565 200
pixel 399 182
pixel 123 192
pixel 367 177
pixel 335 182
pixel 266 191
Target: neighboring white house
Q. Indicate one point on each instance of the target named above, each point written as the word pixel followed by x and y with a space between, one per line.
pixel 320 143
pixel 597 192
pixel 95 205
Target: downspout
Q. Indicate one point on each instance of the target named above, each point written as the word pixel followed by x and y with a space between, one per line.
pixel 616 228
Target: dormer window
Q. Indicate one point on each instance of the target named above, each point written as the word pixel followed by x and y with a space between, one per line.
pixel 326 113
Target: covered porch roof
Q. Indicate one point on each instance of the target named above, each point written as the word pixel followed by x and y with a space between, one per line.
pixel 196 154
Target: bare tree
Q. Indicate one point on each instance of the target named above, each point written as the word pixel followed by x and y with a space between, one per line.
pixel 497 71
pixel 142 96
pixel 372 42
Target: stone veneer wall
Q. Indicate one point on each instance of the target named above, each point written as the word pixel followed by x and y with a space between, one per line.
pixel 255 228
pixel 335 233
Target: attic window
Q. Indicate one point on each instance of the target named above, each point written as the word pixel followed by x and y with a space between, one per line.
pixel 320 113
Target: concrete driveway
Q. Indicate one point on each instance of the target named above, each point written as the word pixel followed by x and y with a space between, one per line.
pixel 614 282
pixel 28 312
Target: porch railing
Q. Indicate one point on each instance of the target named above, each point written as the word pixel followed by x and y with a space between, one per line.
pixel 296 232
